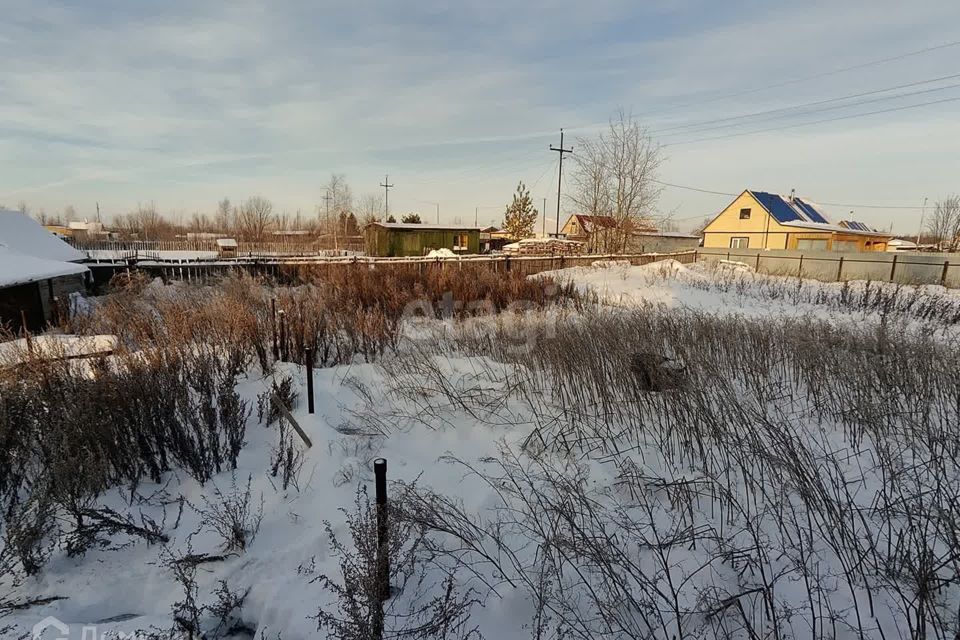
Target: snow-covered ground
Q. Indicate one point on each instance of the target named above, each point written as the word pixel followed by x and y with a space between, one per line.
pixel 685 513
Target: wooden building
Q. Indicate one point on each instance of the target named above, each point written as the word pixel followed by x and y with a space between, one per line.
pixel 39 273
pixel 761 220
pixel 395 239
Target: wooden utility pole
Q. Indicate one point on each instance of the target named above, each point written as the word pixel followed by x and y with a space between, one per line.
pixel 386 195
pixel 561 151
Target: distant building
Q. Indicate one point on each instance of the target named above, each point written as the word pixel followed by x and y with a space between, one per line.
pixel 761 220
pixel 227 247
pixel 413 239
pixel 38 272
pixel 602 234
pixel 544 247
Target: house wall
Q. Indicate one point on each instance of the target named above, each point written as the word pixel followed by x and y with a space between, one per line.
pixel 57 291
pixel 661 244
pixel 764 232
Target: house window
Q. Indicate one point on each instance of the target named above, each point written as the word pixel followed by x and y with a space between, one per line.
pixel 739 243
pixel 812 244
pixel 744 214
pixel 845 245
pixel 461 242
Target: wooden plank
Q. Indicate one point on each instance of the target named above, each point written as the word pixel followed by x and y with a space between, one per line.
pixel 289 416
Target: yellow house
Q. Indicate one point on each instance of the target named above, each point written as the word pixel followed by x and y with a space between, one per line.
pixel 761 220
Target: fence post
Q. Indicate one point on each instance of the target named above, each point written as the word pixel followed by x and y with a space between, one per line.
pixel 840 270
pixel 943 276
pixel 757 268
pixel 273 327
pixel 893 267
pixel 383 559
pixel 800 268
pixel 283 335
pixel 728 256
pixel 308 357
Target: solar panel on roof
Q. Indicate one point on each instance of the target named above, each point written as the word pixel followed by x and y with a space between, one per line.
pixel 810 211
pixel 779 208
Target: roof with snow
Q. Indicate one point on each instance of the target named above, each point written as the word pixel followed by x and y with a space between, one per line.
pixel 792 211
pixel 424 227
pixel 24 235
pixel 18 268
pixel 226 242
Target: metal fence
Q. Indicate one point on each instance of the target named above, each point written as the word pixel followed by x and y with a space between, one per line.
pixel 905 268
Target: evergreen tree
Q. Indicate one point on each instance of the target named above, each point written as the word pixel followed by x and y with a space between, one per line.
pixel 390 218
pixel 411 218
pixel 520 216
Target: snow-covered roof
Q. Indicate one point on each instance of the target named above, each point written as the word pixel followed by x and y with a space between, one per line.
pixel 833 228
pixel 24 235
pixel 18 268
pixel 424 227
pixel 226 242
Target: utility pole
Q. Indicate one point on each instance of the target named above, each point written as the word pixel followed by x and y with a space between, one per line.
pixel 561 151
pixel 544 231
pixel 476 216
pixel 923 210
pixel 98 212
pixel 438 212
pixel 386 195
pixel 326 200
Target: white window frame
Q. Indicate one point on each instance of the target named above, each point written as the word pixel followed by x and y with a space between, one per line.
pixel 735 242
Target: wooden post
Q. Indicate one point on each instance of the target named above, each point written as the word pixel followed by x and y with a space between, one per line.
pixel 273 327
pixel 840 270
pixel 283 335
pixel 943 275
pixel 757 268
pixel 308 355
pixel 893 267
pixel 800 268
pixel 383 559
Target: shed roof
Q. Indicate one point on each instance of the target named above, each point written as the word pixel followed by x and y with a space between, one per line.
pixel 423 227
pixel 24 235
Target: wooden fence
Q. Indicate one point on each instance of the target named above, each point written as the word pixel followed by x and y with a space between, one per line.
pixel 288 269
pixel 149 248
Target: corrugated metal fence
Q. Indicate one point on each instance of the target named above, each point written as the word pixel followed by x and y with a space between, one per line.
pixel 904 268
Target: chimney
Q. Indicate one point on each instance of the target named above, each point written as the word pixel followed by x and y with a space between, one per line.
pixel 793 193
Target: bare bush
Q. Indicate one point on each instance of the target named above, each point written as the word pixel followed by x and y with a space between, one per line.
pixel 233 516
pixel 411 611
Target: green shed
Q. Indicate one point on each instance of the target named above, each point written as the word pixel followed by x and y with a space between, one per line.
pixel 394 239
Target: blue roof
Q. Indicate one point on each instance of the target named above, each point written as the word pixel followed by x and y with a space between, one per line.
pixel 783 210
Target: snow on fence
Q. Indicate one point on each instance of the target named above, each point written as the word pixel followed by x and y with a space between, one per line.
pixel 904 268
pixel 151 248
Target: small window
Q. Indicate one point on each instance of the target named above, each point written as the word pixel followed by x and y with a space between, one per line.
pixel 461 242
pixel 744 214
pixel 739 243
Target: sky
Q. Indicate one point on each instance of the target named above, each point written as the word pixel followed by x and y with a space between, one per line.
pixel 182 103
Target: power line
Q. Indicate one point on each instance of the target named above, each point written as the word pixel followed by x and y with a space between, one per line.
pixel 830 204
pixel 561 151
pixel 822 102
pixel 824 74
pixel 812 122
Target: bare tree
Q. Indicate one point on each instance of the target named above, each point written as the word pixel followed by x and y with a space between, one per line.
pixel 254 217
pixel 224 213
pixel 615 175
pixel 69 213
pixel 944 223
pixel 23 208
pixel 370 208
